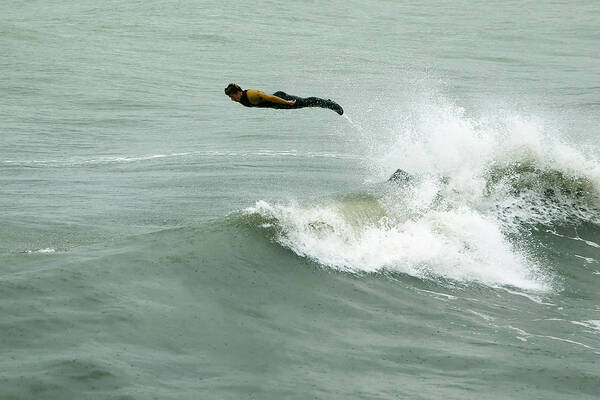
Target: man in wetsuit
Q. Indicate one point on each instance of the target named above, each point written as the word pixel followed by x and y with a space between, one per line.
pixel 279 100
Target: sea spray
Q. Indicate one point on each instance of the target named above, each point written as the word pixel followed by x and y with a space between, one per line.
pixel 477 184
pixel 354 124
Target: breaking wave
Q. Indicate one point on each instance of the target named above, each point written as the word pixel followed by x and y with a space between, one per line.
pixel 477 187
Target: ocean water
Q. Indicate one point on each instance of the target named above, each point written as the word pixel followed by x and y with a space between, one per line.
pixel 158 241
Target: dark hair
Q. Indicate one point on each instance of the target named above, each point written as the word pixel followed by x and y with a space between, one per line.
pixel 232 88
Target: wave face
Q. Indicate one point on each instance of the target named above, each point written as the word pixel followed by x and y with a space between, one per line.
pixel 479 188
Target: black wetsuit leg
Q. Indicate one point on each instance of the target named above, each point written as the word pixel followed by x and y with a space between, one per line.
pixel 302 102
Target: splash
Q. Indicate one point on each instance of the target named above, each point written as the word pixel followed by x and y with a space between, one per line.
pixel 499 162
pixel 477 183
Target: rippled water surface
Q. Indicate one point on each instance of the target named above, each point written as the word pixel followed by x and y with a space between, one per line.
pixel 160 241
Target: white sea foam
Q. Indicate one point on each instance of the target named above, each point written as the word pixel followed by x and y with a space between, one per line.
pixel 456 244
pixel 496 159
pixel 591 324
pixel 441 138
pixel 587 260
pixel 526 335
pixel 42 251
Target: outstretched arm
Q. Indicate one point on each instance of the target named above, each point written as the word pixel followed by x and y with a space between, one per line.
pixel 258 97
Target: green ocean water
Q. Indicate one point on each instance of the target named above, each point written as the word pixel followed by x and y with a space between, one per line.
pixel 158 241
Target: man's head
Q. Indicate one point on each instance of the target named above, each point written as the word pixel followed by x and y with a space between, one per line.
pixel 234 92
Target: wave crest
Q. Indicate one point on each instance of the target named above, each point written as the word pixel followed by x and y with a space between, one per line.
pixel 356 237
